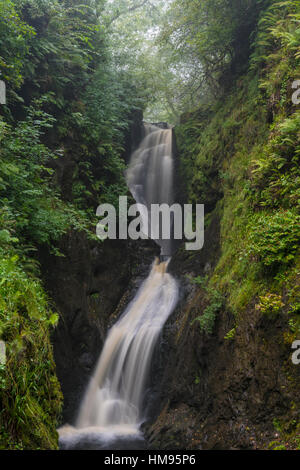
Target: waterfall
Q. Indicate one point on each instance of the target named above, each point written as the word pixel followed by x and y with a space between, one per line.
pixel 115 396
pixel 114 401
pixel 150 174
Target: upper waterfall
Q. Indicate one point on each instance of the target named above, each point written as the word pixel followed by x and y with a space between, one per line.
pixel 151 173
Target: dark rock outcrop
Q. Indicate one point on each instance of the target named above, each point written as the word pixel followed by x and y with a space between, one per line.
pixel 218 393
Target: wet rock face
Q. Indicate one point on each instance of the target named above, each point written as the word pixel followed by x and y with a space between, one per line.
pixel 134 134
pixel 217 393
pixel 82 284
pixel 220 394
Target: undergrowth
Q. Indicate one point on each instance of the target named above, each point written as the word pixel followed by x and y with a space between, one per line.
pixel 241 158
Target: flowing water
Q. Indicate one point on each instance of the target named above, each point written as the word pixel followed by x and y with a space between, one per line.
pixel 150 175
pixel 113 406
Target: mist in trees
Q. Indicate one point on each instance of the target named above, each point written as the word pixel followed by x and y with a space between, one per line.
pixel 181 53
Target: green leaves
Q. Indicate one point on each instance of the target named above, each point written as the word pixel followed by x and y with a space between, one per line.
pixel 275 237
pixel 270 304
pixel 6 238
pixel 214 300
pixel 14 37
pixel 210 46
pixel 29 390
pixel 275 173
pixel 53 320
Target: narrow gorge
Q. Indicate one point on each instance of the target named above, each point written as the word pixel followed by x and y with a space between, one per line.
pixel 131 340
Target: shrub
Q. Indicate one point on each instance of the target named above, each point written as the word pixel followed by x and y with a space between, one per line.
pixel 270 304
pixel 274 238
pixel 30 394
pixel 208 318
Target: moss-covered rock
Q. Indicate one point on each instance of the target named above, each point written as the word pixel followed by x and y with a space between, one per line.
pixel 30 395
pixel 233 384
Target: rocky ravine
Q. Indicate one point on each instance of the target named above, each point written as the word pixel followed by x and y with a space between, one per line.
pixel 218 393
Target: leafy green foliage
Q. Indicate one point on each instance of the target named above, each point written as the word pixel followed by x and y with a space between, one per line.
pixel 278 163
pixel 30 395
pixel 210 42
pixel 29 202
pixel 241 158
pixel 270 304
pixel 61 66
pixel 215 302
pixel 275 237
pixel 14 34
pixel 69 106
pixel 208 318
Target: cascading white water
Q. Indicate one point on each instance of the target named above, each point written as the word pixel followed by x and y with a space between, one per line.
pixel 113 403
pixel 114 398
pixel 150 174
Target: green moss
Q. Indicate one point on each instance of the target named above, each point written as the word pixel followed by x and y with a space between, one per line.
pixel 241 159
pixel 256 165
pixel 288 434
pixel 30 394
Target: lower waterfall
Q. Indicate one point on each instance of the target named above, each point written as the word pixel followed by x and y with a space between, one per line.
pixel 114 402
pixel 114 398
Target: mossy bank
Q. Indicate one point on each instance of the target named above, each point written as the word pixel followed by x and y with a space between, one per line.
pixel 231 382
